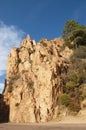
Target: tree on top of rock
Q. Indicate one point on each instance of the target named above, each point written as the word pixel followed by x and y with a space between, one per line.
pixel 74 34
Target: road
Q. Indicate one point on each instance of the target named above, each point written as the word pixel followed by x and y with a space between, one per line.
pixel 42 127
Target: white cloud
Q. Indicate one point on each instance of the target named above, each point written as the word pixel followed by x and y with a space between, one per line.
pixel 1 87
pixel 2 72
pixel 10 36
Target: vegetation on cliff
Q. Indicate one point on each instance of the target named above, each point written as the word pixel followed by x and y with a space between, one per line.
pixel 74 34
pixel 74 90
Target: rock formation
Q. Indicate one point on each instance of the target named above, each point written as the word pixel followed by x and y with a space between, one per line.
pixel 34 81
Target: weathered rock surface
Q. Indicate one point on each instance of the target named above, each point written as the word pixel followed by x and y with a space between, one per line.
pixel 67 53
pixel 34 81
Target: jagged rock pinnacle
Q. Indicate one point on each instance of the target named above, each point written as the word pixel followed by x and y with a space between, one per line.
pixel 33 81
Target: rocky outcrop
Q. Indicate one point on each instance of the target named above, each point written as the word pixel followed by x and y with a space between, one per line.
pixel 34 81
pixel 66 53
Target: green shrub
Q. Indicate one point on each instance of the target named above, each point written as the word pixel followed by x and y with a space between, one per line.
pixel 17 104
pixel 74 106
pixel 70 86
pixel 64 99
pixel 83 95
pixel 43 43
pixel 10 88
pixel 74 33
pixel 58 113
pixel 80 52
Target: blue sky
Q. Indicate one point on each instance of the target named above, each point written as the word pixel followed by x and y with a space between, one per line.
pixel 42 18
pixel 39 18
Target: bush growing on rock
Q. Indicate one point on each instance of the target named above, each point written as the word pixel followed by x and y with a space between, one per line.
pixel 64 99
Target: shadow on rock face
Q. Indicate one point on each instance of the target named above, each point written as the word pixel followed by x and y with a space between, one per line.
pixel 4 110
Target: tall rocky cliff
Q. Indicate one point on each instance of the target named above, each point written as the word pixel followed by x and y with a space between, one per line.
pixel 34 80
